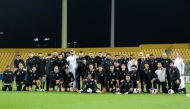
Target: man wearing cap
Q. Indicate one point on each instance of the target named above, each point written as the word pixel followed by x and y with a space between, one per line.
pixel 8 79
pixel 72 61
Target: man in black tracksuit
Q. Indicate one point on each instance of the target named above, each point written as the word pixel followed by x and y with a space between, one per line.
pixel 78 69
pixel 84 68
pixel 8 79
pixel 68 79
pixel 126 86
pixel 113 79
pixel 92 72
pixel 174 77
pixel 56 78
pixel 122 74
pixel 50 63
pixel 124 60
pixel 135 77
pixel 166 64
pixel 20 75
pixel 107 62
pixel 101 77
pixel 148 75
pixel 92 60
pixel 89 83
pixel 31 61
pixel 140 69
pixel 17 61
pixel 33 79
pixel 41 69
pixel 99 58
pixel 61 62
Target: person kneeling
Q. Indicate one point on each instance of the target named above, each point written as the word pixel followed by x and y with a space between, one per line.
pixel 126 87
pixel 68 81
pixel 33 79
pixel 89 86
pixel 55 79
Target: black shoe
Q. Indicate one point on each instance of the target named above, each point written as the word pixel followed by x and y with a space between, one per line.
pixel 184 90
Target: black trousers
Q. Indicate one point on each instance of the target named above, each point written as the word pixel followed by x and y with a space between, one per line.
pixel 77 78
pixel 169 82
pixel 141 80
pixel 47 82
pixel 155 82
pixel 175 87
pixel 18 85
pixel 125 90
pixel 7 86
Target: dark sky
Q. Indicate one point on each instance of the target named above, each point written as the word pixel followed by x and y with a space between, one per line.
pixel 136 22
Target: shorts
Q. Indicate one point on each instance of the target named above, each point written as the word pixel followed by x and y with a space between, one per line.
pixel 66 85
pixel 52 84
pixel 31 84
pixel 41 73
pixel 101 83
pixel 135 84
pixel 111 85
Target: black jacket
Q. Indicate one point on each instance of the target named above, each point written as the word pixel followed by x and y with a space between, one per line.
pixel 122 74
pixel 89 84
pixel 55 76
pixel 8 76
pixel 31 62
pixel 32 76
pixel 41 64
pixel 20 77
pixel 112 75
pixel 147 75
pixel 99 60
pixel 134 75
pixel 50 63
pixel 166 63
pixel 174 74
pixel 61 63
pixel 101 77
pixel 107 63
pixel 16 63
pixel 67 78
pixel 126 84
pixel 92 73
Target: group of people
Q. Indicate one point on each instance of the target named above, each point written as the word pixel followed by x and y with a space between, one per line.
pixel 120 75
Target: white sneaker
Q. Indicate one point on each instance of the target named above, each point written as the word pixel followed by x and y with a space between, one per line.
pixel 98 91
pixel 126 93
pixel 37 90
pixel 117 93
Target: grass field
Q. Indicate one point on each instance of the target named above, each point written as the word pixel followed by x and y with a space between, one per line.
pixel 72 100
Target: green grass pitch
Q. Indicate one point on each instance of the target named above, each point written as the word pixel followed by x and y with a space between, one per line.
pixel 72 100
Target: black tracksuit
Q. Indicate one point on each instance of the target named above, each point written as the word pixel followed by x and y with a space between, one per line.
pixel 89 84
pixel 140 70
pixel 174 75
pixel 31 62
pixel 92 61
pixel 134 76
pixel 99 60
pixel 50 63
pixel 41 67
pixel 20 75
pixel 61 63
pixel 106 64
pixel 78 72
pixel 16 63
pixel 32 76
pixel 148 75
pixel 92 73
pixel 122 74
pixel 84 68
pixel 53 77
pixel 112 77
pixel 8 78
pixel 125 86
pixel 101 78
pixel 67 78
pixel 124 61
pixel 166 64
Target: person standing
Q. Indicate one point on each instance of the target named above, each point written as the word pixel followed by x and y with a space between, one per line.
pixel 49 63
pixel 17 61
pixel 72 61
pixel 178 62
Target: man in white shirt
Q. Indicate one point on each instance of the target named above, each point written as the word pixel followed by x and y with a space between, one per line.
pixel 132 61
pixel 178 62
pixel 72 60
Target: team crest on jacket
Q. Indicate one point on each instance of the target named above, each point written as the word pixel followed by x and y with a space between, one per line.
pixel 68 75
pixel 57 74
pixel 167 61
pixel 34 74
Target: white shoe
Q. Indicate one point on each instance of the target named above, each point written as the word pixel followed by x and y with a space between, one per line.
pixel 98 91
pixel 126 93
pixel 117 93
pixel 41 90
pixel 58 89
pixel 37 90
